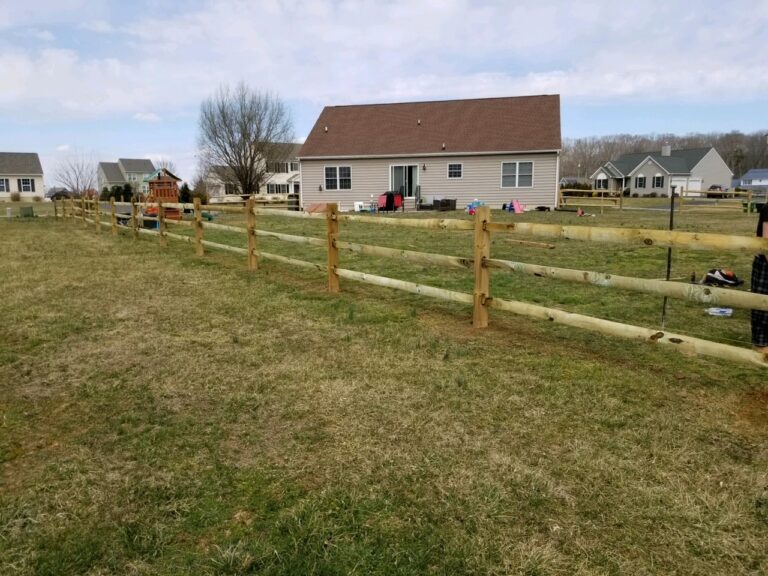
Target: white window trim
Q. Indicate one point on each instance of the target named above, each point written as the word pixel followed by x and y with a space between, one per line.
pixel 645 181
pixel 416 184
pixel 448 170
pixel 6 184
pixel 30 185
pixel 653 182
pixel 338 177
pixel 517 174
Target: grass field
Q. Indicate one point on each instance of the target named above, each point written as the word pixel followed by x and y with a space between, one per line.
pixel 163 414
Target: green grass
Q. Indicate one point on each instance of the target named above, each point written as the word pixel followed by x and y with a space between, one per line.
pixel 163 414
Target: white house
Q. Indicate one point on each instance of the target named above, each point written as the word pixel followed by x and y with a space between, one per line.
pixel 645 173
pixel 493 149
pixel 755 179
pixel 282 178
pixel 21 172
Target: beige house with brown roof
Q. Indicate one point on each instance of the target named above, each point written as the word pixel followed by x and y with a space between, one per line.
pixel 491 149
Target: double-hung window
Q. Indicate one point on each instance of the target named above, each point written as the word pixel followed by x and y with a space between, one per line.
pixel 517 174
pixel 639 181
pixel 26 184
pixel 338 178
pixel 601 184
pixel 455 170
pixel 658 181
pixel 5 185
pixel 277 188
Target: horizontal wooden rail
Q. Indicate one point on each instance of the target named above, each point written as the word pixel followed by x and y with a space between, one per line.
pixel 421 289
pixel 666 238
pixel 224 208
pixel 225 247
pixel 680 342
pixel 187 223
pixel 179 237
pixel 292 261
pixel 289 214
pixel 292 238
pixel 124 216
pixel 686 344
pixel 429 223
pixel 148 231
pixel 225 227
pixel 694 292
pixel 421 257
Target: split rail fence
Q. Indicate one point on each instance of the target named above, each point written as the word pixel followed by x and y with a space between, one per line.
pixel 481 263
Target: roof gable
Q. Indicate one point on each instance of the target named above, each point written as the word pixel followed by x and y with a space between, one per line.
pixel 655 166
pixel 679 161
pixel 20 163
pixel 162 174
pixel 111 171
pixel 142 165
pixel 515 124
pixel 756 174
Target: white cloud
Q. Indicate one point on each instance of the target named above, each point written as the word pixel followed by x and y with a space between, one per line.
pixel 146 117
pixel 63 148
pixel 362 52
pixel 42 35
pixel 98 26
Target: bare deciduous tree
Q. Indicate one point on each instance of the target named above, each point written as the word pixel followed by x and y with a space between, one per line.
pixel 246 131
pixel 582 156
pixel 77 173
pixel 167 163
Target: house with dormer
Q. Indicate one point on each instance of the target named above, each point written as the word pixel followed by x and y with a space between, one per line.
pixel 654 173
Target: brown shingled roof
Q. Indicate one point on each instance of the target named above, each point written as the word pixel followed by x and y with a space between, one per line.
pixel 516 124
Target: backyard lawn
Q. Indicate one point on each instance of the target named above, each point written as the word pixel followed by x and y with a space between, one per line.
pixel 167 414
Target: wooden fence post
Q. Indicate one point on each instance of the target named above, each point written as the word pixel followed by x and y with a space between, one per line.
pixel 114 215
pixel 332 221
pixel 250 217
pixel 161 223
pixel 82 211
pixel 134 219
pixel 199 250
pixel 97 215
pixel 482 293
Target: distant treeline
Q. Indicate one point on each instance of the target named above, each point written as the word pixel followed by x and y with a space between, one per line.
pixel 582 156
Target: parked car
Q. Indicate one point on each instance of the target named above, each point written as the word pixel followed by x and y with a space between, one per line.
pixel 718 191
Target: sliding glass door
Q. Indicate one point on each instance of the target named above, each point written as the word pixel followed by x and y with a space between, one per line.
pixel 404 179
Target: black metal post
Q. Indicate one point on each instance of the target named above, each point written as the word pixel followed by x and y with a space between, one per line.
pixel 669 252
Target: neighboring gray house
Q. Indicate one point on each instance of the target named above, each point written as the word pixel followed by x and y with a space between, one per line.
pixel 21 172
pixel 755 179
pixel 492 149
pixel 130 170
pixel 643 173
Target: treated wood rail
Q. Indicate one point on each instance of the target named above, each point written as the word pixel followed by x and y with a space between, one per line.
pixel 481 299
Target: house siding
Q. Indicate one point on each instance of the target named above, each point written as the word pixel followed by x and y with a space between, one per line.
pixel 481 179
pixel 712 170
pixel 649 169
pixel 14 186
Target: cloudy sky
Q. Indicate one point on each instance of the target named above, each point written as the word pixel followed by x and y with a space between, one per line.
pixel 126 78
